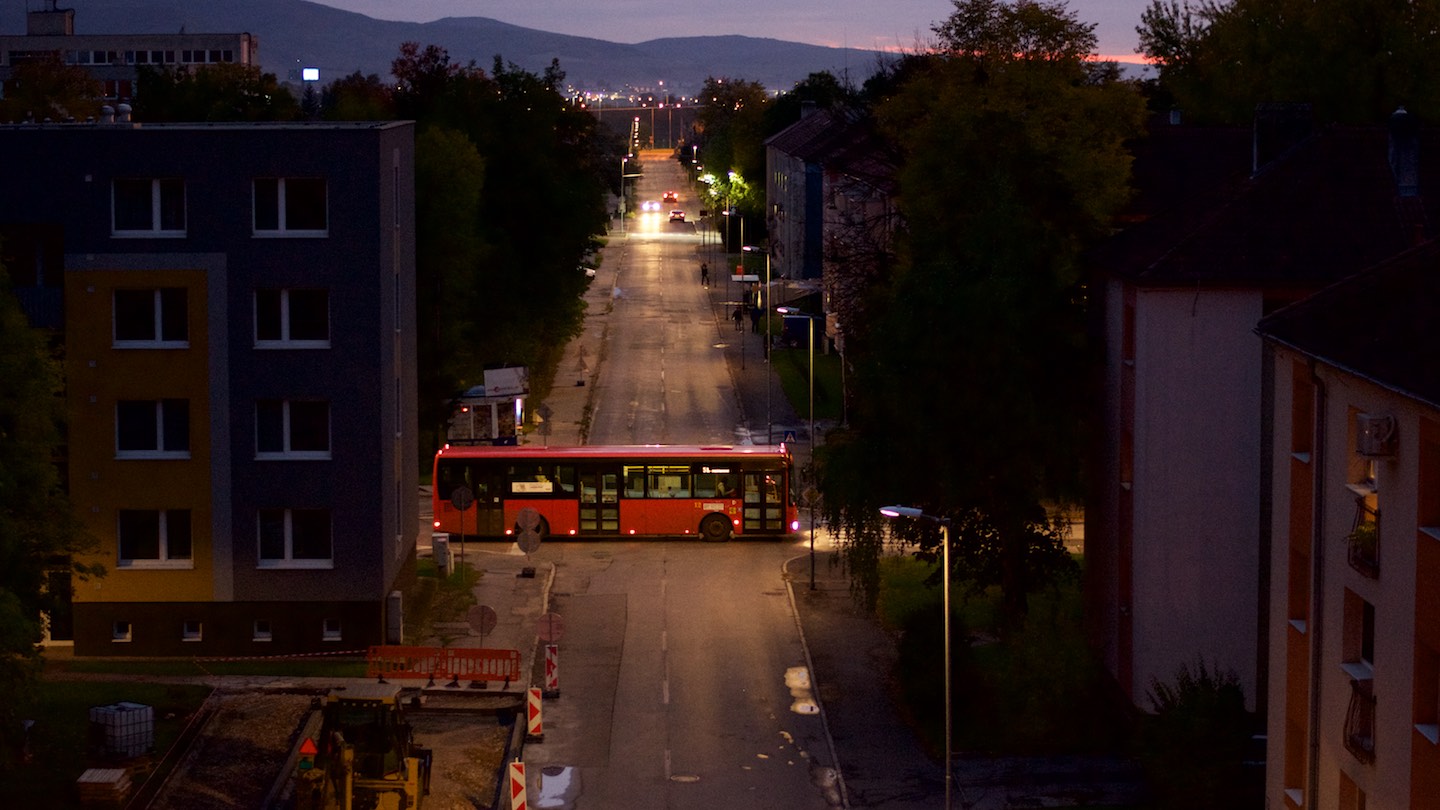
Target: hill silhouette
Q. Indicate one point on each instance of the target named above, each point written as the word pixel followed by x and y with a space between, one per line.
pixel 295 33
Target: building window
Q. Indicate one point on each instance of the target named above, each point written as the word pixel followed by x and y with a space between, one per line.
pixel 120 631
pixel 152 428
pixel 262 631
pixel 190 630
pixel 151 318
pixel 295 538
pixel 292 319
pixel 154 538
pixel 330 630
pixel 292 429
pixel 290 206
pixel 146 206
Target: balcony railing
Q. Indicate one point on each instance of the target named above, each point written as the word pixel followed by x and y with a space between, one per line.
pixel 1360 721
pixel 1363 541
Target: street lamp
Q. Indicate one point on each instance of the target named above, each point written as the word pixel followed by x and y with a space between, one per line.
pixel 810 320
pixel 912 512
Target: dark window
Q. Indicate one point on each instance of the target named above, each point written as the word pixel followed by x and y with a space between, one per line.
pixel 149 426
pixel 154 535
pixel 285 427
pixel 290 204
pixel 150 316
pixel 285 316
pixel 149 205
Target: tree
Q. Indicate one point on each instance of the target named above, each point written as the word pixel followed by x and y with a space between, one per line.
pixel 730 128
pixel 357 98
pixel 39 534
pixel 1352 60
pixel 223 92
pixel 46 88
pixel 1010 163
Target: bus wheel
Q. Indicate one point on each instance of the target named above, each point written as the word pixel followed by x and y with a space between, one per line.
pixel 715 528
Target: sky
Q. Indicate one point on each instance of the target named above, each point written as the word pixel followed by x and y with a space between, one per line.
pixel 873 24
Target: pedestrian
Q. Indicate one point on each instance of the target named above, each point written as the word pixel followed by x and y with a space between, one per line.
pixel 755 320
pixel 704 275
pixel 736 316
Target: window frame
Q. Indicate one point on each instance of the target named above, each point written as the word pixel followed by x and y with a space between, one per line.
pixel 161 326
pixel 285 317
pixel 162 208
pixel 287 436
pixel 164 558
pixel 289 560
pixel 161 451
pixel 281 204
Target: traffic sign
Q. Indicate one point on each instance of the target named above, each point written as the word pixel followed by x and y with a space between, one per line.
pixel 789 437
pixel 482 619
pixel 530 535
pixel 550 627
pixel 462 498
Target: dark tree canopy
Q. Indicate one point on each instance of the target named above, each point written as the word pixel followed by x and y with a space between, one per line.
pixel 1353 61
pixel 972 373
pixel 47 89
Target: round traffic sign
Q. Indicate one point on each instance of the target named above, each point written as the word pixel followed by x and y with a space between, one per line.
pixel 550 627
pixel 482 619
pixel 529 524
pixel 462 498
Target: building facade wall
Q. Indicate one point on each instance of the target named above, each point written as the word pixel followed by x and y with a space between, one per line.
pixel 1339 750
pixel 1188 520
pixel 236 375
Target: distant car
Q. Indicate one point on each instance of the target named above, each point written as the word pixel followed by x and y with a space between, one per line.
pixel 650 205
pixel 677 216
pixel 671 196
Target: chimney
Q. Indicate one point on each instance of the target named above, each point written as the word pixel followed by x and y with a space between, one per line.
pixel 122 113
pixel 1405 152
pixel 107 114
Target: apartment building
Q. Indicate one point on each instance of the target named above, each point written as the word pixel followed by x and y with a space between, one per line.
pixel 236 303
pixel 1354 710
pixel 1230 225
pixel 114 59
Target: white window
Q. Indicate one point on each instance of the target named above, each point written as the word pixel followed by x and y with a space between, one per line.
pixel 330 630
pixel 262 631
pixel 292 319
pixel 146 319
pixel 290 206
pixel 292 429
pixel 152 428
pixel 191 630
pixel 120 631
pixel 154 538
pixel 295 538
pixel 148 206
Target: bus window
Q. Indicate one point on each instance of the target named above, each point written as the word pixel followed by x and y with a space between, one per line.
pixel 634 481
pixel 669 482
pixel 565 480
pixel 716 484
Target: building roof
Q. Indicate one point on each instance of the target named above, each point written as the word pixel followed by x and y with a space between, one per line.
pixel 1325 207
pixel 1379 324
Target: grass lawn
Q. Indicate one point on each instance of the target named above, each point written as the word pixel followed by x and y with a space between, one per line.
pixel 60 738
pixel 1037 691
pixel 793 366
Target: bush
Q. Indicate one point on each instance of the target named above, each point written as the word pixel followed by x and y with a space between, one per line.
pixel 1198 741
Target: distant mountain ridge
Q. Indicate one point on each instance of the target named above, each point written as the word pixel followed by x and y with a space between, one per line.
pixel 295 33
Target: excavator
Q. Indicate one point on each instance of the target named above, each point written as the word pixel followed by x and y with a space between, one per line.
pixel 365 757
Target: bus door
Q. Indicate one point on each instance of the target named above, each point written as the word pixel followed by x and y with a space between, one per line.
pixel 764 502
pixel 599 500
pixel 489 511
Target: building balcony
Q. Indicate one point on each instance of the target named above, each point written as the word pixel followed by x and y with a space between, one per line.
pixel 1360 721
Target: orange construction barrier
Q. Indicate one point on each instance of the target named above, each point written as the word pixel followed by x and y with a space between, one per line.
pixel 393 661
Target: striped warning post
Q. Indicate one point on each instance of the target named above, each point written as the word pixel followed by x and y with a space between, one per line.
pixel 552 671
pixel 517 786
pixel 534 727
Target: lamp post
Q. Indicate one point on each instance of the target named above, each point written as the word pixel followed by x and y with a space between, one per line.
pixel 912 512
pixel 810 321
pixel 622 193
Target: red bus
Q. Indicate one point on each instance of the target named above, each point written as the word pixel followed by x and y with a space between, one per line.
pixel 618 491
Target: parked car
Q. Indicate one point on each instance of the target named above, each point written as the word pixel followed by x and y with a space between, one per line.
pixel 677 216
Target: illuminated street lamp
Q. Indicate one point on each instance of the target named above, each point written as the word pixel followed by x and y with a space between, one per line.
pixel 912 512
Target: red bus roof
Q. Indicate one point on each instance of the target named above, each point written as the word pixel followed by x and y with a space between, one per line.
pixel 639 452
